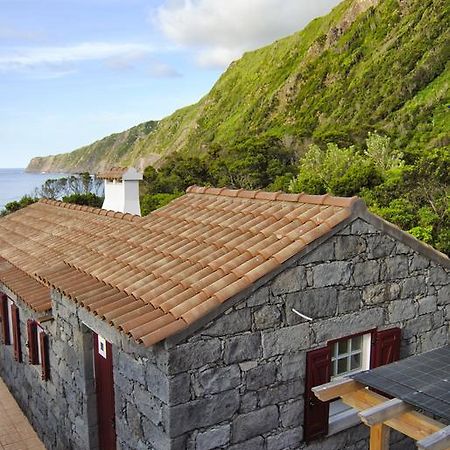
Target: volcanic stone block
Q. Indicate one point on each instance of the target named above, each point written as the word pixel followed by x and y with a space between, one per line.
pixel 246 426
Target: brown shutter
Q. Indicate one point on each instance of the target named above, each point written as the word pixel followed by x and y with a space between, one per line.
pixel 4 318
pixel 385 347
pixel 318 367
pixel 43 340
pixel 33 356
pixel 16 333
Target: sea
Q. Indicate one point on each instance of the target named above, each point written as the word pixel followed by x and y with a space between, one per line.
pixel 15 183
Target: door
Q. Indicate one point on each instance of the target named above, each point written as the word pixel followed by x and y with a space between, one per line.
pixel 318 365
pixel 104 383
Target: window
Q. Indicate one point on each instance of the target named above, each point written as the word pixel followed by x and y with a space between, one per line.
pixel 32 343
pixel 4 315
pixel 15 331
pixel 340 358
pixel 348 355
pixel 10 325
pixel 38 347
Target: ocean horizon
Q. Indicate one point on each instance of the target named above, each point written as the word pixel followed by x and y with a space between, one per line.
pixel 15 183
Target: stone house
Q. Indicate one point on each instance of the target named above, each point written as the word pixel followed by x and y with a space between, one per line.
pixel 206 324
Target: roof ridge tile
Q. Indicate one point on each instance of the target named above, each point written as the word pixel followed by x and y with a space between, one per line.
pixel 325 199
pixel 90 209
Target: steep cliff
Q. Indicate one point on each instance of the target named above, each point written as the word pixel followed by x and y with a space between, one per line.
pixel 368 65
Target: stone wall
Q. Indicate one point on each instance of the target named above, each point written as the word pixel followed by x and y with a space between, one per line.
pixel 57 408
pixel 63 409
pixel 244 372
pixel 142 395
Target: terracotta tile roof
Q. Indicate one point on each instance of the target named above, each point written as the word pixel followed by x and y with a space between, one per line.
pixel 151 277
pixel 25 286
pixel 115 173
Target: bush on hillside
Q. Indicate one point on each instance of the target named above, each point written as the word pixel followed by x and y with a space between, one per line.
pixel 16 205
pixel 88 199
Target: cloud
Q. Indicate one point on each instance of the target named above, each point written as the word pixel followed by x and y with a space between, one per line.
pixel 125 61
pixel 21 58
pixel 163 70
pixel 50 73
pixel 221 31
pixel 157 69
pixel 8 33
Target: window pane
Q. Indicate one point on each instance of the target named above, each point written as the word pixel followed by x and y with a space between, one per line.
pixel 343 346
pixel 342 365
pixel 356 343
pixel 355 361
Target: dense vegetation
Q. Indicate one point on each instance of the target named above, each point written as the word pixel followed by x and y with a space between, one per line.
pixel 414 196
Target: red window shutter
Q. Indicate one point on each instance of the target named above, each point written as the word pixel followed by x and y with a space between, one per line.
pixel 33 356
pixel 385 347
pixel 318 368
pixel 4 318
pixel 16 333
pixel 43 340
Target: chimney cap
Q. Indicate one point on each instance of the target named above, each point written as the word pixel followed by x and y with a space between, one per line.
pixel 121 173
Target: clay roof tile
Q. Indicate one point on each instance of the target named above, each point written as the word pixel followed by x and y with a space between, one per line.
pixel 232 289
pixel 181 308
pixel 200 310
pixel 163 332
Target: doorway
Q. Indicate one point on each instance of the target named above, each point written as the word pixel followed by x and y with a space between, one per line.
pixel 104 383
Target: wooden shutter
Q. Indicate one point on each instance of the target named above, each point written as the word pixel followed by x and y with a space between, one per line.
pixel 385 347
pixel 318 367
pixel 4 318
pixel 16 333
pixel 33 355
pixel 43 341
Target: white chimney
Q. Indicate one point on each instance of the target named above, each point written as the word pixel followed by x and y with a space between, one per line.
pixel 122 190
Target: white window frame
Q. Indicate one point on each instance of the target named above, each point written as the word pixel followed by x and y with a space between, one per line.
pixel 364 351
pixel 101 346
pixel 342 416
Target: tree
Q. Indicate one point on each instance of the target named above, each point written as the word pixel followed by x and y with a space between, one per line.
pixel 339 171
pixel 383 156
pixel 82 189
pixel 82 183
pixel 150 202
pixel 251 164
pixel 89 199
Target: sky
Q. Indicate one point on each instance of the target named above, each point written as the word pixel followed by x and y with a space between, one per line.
pixel 74 71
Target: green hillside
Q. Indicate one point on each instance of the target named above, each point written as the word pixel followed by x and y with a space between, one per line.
pixel 100 155
pixel 367 66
